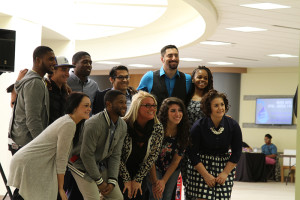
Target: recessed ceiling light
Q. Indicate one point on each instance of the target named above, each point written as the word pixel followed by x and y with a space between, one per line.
pixel 140 65
pixel 246 29
pixel 220 63
pixel 190 59
pixel 215 43
pixel 283 55
pixel 108 62
pixel 265 6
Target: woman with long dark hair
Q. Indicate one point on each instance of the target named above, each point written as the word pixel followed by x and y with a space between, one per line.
pixel 164 173
pixel 38 168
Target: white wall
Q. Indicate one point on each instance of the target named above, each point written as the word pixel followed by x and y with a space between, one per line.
pixel 61 47
pixel 28 37
pixel 267 81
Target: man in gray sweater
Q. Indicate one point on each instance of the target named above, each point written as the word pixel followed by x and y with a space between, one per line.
pixel 31 110
pixel 79 80
pixel 96 158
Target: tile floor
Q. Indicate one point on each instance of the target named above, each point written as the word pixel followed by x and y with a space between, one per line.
pixel 263 191
pixel 260 191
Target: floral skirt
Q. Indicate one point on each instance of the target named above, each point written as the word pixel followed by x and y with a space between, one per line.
pixel 196 187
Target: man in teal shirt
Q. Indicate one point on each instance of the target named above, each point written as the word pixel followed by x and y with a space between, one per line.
pixel 167 81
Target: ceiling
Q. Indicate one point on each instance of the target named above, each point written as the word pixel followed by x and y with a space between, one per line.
pixel 247 49
pixel 184 23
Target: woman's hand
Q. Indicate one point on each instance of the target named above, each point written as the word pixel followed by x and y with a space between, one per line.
pixel 161 185
pixel 128 187
pixel 155 192
pixel 63 194
pixel 210 180
pixel 158 189
pixel 222 178
pixel 135 188
pixel 22 73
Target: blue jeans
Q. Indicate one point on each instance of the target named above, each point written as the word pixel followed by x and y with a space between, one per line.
pixel 169 187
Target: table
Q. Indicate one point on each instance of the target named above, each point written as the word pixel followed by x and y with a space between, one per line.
pixel 251 168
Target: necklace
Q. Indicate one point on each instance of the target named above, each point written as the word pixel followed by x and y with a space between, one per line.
pixel 213 130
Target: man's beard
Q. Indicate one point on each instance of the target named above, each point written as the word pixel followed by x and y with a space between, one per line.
pixel 48 70
pixel 118 111
pixel 172 65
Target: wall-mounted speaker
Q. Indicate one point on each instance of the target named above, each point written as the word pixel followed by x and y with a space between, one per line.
pixel 7 50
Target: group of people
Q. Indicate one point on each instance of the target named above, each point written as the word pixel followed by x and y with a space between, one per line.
pixel 70 140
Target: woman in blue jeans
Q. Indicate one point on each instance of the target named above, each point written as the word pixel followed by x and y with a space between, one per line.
pixel 164 173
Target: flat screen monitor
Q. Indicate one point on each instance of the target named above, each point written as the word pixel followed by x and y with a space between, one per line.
pixel 274 111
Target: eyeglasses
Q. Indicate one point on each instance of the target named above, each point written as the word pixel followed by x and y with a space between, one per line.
pixel 150 106
pixel 122 77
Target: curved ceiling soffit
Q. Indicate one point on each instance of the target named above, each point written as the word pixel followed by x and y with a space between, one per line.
pixel 184 23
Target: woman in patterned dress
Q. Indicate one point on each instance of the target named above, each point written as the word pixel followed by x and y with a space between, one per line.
pixel 164 173
pixel 211 138
pixel 202 82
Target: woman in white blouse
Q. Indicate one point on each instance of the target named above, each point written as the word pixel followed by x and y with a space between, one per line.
pixel 38 168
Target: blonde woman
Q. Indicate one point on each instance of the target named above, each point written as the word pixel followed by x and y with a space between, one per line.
pixel 141 145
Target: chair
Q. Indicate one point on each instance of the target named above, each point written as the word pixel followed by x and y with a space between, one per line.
pixel 289 162
pixel 5 182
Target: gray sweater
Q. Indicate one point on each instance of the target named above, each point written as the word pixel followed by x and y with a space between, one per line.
pixel 32 108
pixel 94 147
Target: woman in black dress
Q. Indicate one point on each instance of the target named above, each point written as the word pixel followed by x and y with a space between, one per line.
pixel 211 138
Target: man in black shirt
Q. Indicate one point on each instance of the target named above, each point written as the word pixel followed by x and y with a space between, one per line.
pixel 58 89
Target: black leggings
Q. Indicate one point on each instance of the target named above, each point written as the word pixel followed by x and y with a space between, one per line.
pixel 16 195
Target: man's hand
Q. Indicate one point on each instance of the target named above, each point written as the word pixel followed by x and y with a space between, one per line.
pixel 108 189
pixel 102 186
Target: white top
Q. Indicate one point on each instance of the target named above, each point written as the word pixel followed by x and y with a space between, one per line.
pixel 34 168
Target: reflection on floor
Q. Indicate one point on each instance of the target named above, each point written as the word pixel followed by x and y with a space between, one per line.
pixel 263 191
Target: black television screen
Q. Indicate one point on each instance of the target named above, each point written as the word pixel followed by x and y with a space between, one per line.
pixel 274 111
